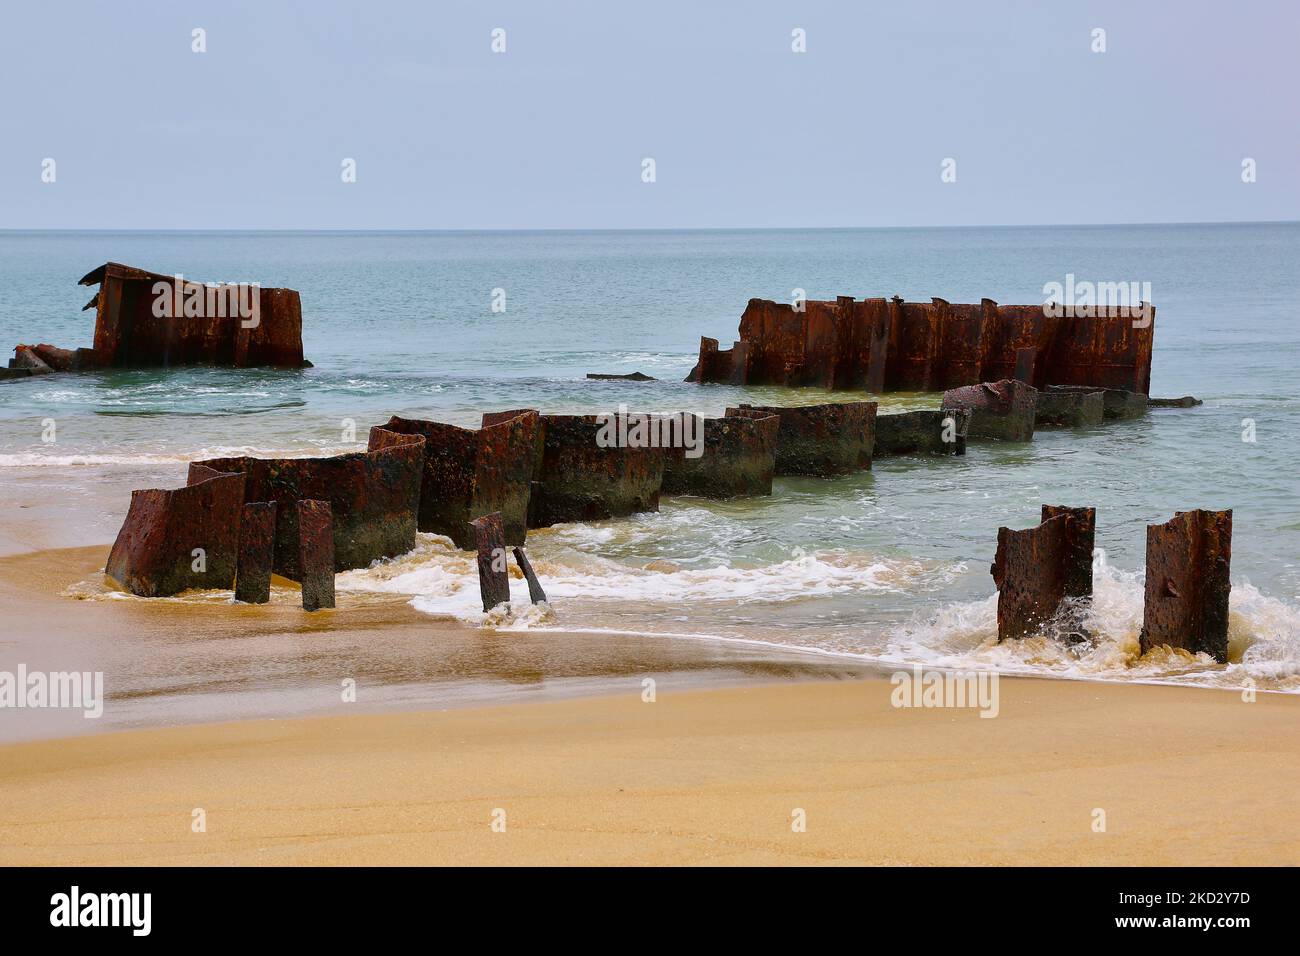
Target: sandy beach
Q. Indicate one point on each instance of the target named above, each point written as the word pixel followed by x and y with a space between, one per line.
pixel 703 777
pixel 240 715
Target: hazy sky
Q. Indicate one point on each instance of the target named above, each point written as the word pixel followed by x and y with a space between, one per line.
pixel 552 133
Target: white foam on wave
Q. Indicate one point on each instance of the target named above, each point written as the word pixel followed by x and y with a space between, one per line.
pixel 1263 639
pixel 444 581
pixel 37 459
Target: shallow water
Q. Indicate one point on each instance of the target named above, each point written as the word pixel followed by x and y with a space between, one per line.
pixel 891 564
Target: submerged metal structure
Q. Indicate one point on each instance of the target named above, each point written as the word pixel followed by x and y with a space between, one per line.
pixel 146 319
pixel 887 345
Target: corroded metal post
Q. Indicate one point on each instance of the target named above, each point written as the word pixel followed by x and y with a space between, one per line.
pixel 316 553
pixel 1043 571
pixel 1189 561
pixel 256 552
pixel 535 592
pixel 493 573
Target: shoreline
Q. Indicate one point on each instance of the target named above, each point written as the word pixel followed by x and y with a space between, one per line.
pixel 696 777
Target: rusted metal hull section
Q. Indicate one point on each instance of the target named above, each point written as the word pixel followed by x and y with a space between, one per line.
pixel 738 459
pixel 881 345
pixel 1189 561
pixel 930 432
pixel 130 332
pixel 578 480
pixel 469 473
pixel 1044 575
pixel 182 538
pixel 1117 403
pixel 315 553
pixel 1069 409
pixel 819 440
pixel 374 498
pixel 1002 411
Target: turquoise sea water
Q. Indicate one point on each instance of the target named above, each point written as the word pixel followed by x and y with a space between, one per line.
pixel 891 564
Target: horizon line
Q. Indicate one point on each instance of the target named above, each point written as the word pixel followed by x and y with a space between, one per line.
pixel 642 229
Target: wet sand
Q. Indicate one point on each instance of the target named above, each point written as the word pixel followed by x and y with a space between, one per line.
pixel 203 659
pixel 1184 777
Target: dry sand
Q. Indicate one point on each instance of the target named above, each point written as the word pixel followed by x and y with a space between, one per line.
pixel 1185 776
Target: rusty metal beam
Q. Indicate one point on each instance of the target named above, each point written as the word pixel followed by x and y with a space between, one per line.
pixel 1188 582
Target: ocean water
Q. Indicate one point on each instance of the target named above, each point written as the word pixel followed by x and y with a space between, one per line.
pixel 888 565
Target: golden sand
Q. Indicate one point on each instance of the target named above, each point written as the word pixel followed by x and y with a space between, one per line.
pixel 699 776
pixel 1184 776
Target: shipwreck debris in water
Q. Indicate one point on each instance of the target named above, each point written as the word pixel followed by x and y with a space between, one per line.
pixel 493 573
pixel 471 472
pixel 315 553
pixel 737 459
pixel 146 320
pixel 181 538
pixel 1189 563
pixel 888 345
pixel 941 431
pixel 374 497
pixel 584 478
pixel 1044 572
pixel 256 552
pixel 1002 411
pixel 819 440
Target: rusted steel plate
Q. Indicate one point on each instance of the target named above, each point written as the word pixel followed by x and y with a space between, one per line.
pixel 873 345
pixel 911 346
pixel 1189 562
pixel 181 538
pixel 961 344
pixel 1080 538
pixel 256 552
pixel 1117 403
pixel 315 553
pixel 1025 361
pixel 539 439
pixel 374 498
pixel 738 459
pixel 1038 569
pixel 819 440
pixel 1003 411
pixel 470 472
pixel 133 330
pixel 1106 348
pixel 503 472
pixel 581 481
pixel 1072 409
pixel 493 572
pixel 929 432
pixel 914 344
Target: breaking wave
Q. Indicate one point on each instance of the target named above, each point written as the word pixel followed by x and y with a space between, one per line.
pixel 1264 632
pixel 1263 641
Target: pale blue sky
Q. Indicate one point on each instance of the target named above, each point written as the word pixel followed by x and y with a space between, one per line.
pixel 552 133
